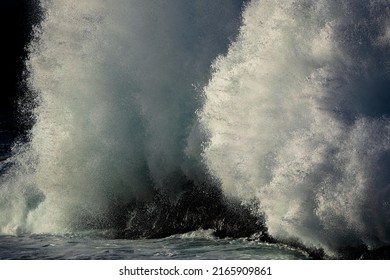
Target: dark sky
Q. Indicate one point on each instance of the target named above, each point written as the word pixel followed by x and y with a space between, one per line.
pixel 17 19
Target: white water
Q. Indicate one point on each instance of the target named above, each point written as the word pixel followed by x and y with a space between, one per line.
pixel 117 89
pixel 295 115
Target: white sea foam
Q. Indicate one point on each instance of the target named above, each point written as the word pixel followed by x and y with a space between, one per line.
pixel 116 88
pixel 297 116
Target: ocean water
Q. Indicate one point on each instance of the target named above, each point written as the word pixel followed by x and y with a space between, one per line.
pixel 265 118
pixel 199 245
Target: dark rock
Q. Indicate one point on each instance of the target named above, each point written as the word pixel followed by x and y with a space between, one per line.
pixel 352 253
pixel 199 207
pixel 382 253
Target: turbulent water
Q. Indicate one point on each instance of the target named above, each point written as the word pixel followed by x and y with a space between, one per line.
pixel 285 106
pixel 297 115
pixel 96 246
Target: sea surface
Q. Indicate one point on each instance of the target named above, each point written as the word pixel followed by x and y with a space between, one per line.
pixel 196 245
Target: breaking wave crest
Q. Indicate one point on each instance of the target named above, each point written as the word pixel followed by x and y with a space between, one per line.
pixel 292 116
pixel 297 115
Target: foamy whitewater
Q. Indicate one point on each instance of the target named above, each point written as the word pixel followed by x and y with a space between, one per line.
pixel 286 107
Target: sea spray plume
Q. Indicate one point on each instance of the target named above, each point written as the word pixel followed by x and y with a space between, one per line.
pixel 297 115
pixel 115 103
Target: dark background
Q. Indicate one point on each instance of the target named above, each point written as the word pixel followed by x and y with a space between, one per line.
pixel 17 19
pixel 16 22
